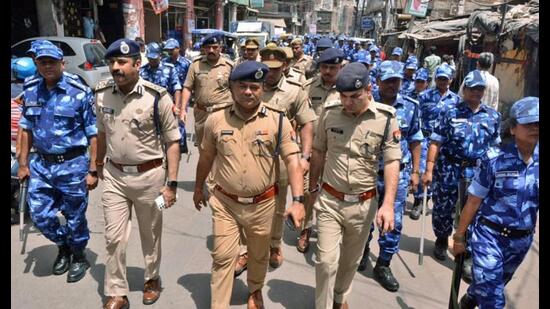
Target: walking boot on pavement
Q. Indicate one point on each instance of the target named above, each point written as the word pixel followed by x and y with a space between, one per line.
pixel 276 257
pixel 336 305
pixel 467 302
pixel 78 267
pixel 61 264
pixel 303 241
pixel 364 260
pixel 255 300
pixel 440 250
pixel 151 291
pixel 382 274
pixel 117 302
pixel 416 209
pixel 242 264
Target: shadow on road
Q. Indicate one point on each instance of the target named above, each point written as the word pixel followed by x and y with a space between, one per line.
pixel 210 242
pixel 402 303
pixel 188 186
pixel 199 287
pixel 43 258
pixel 412 244
pixel 290 294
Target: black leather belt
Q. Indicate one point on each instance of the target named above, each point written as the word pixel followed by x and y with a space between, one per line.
pixel 461 162
pixel 401 167
pixel 62 157
pixel 504 231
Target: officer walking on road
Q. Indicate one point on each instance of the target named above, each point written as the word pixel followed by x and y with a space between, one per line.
pixel 135 122
pixel 180 63
pixel 408 75
pixel 420 85
pixel 351 136
pixel 58 120
pixel 241 146
pixel 502 208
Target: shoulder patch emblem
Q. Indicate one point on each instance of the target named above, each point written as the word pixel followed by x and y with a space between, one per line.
pixel 396 136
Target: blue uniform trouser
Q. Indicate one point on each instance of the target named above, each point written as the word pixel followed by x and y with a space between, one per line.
pixel 495 259
pixel 423 157
pixel 61 187
pixel 389 242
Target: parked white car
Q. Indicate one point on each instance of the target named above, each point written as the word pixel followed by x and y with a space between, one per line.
pixel 83 57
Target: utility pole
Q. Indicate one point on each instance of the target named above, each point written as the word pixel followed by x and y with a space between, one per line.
pixel 503 7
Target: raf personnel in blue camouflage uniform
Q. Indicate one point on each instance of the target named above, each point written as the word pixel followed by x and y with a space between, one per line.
pixel 181 64
pixel 420 85
pixel 502 207
pixel 409 135
pixel 463 135
pixel 59 122
pixel 396 54
pixel 407 85
pixel 163 74
pixel 432 103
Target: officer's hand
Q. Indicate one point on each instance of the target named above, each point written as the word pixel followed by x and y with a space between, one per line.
pixel 176 110
pixel 458 248
pixel 23 172
pixel 427 179
pixel 304 164
pixel 385 218
pixel 91 182
pixel 415 180
pixel 169 194
pixel 199 199
pixel 298 213
pixel 100 172
pixel 183 115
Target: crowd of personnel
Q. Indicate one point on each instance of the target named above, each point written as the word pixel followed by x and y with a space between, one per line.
pixel 350 132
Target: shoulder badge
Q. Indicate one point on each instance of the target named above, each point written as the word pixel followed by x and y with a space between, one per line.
pixel 385 108
pixel 293 82
pixel 296 70
pixel 273 107
pixel 229 62
pixel 310 81
pixel 106 83
pixel 31 82
pixel 333 103
pixel 197 58
pixel 158 89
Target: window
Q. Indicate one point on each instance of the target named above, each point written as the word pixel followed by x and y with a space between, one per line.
pixel 95 54
pixel 67 50
pixel 20 49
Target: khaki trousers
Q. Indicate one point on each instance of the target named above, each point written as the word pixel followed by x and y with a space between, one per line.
pixel 228 217
pixel 200 119
pixel 335 265
pixel 121 191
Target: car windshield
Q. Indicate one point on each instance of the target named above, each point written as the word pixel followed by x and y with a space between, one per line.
pixel 95 54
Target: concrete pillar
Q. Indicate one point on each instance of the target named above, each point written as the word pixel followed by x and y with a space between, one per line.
pixel 48 24
pixel 219 14
pixel 189 23
pixel 232 12
pixel 132 11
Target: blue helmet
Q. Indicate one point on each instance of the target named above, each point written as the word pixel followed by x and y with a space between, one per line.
pixel 23 67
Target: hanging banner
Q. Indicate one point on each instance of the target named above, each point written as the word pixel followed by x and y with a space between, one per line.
pixel 159 6
pixel 417 8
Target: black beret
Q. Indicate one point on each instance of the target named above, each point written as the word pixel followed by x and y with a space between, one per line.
pixel 213 38
pixel 252 71
pixel 353 76
pixel 123 48
pixel 331 56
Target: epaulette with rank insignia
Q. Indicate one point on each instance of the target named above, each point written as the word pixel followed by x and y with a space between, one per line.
pixel 385 108
pixel 310 81
pixel 275 108
pixel 293 82
pixel 168 64
pixel 197 58
pixel 158 89
pixel 76 84
pixel 298 71
pixel 229 63
pixel 106 83
pixel 31 82
pixel 333 103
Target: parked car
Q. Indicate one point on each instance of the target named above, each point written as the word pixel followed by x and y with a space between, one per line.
pixel 83 57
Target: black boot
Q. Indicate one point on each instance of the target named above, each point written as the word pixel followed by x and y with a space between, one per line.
pixel 382 274
pixel 78 267
pixel 416 209
pixel 364 260
pixel 61 264
pixel 440 250
pixel 467 302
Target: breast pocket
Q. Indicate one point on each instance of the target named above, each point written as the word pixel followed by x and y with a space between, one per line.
pixel 371 147
pixel 506 185
pixel 142 124
pixel 336 138
pixel 32 113
pixel 263 146
pixel 227 145
pixel 64 117
pixel 202 79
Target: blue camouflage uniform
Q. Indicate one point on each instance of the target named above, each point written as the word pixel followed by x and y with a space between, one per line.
pixel 407 85
pixel 61 120
pixel 432 103
pixel 464 136
pixel 164 75
pixel 408 118
pixel 509 188
pixel 420 75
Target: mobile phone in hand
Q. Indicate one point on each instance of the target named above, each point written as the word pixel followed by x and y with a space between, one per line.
pixel 290 222
pixel 159 201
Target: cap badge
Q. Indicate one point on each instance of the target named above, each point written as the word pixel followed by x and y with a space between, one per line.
pixel 214 40
pixel 358 84
pixel 337 60
pixel 259 74
pixel 124 48
pixel 272 57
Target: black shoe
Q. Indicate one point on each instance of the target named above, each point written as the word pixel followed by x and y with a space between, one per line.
pixel 78 267
pixel 61 264
pixel 467 302
pixel 384 276
pixel 440 250
pixel 467 269
pixel 364 260
pixel 416 210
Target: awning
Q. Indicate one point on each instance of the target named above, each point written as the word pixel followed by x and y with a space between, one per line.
pixel 252 10
pixel 277 22
pixel 437 29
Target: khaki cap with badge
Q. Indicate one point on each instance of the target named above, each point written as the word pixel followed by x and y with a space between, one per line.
pixel 273 57
pixel 252 43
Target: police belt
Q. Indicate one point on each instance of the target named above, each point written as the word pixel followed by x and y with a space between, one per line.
pixel 461 162
pixel 351 198
pixel 504 231
pixel 139 168
pixel 267 194
pixel 401 167
pixel 62 157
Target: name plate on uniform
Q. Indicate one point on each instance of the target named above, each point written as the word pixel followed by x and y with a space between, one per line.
pixel 506 174
pixel 337 130
pixel 226 132
pixel 107 110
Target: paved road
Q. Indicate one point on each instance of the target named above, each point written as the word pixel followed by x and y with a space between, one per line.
pixel 186 263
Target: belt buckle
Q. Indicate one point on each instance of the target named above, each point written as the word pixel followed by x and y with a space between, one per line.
pixel 209 109
pixel 351 198
pixel 245 200
pixel 505 232
pixel 130 169
pixel 59 158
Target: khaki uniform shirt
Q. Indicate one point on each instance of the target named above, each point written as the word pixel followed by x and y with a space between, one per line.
pixel 128 122
pixel 296 75
pixel 292 98
pixel 243 164
pixel 353 145
pixel 319 94
pixel 210 83
pixel 303 63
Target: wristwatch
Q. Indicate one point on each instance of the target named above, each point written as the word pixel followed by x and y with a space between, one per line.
pixel 299 199
pixel 93 173
pixel 172 183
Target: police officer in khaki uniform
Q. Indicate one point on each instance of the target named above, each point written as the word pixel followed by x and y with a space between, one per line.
pixel 208 77
pixel 352 134
pixel 241 146
pixel 292 73
pixel 251 51
pixel 301 61
pixel 131 135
